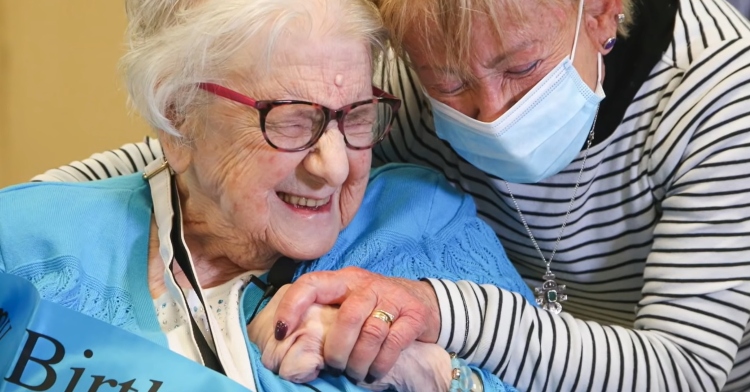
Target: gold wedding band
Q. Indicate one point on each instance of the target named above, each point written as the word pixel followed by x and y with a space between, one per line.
pixel 384 316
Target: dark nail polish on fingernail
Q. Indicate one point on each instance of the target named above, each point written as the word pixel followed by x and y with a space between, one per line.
pixel 335 372
pixel 280 332
pixel 370 379
pixel 351 380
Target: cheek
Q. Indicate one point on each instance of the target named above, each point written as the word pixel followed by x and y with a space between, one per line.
pixel 242 175
pixel 227 167
pixel 354 188
pixel 252 182
pixel 359 162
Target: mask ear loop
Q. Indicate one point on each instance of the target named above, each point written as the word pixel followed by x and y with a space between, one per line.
pixel 575 46
pixel 578 30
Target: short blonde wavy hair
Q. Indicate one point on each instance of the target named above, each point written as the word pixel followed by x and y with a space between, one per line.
pixel 454 20
pixel 175 44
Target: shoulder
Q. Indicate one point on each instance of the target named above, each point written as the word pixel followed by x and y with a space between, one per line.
pixel 400 176
pixel 412 200
pixel 32 199
pixel 700 111
pixel 43 221
pixel 417 188
pixel 701 30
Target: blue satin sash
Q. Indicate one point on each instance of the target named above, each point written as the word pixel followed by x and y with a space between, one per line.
pixel 47 347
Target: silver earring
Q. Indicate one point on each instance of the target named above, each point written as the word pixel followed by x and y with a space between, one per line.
pixel 620 18
pixel 610 43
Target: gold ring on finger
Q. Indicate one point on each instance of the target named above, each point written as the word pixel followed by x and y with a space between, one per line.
pixel 384 316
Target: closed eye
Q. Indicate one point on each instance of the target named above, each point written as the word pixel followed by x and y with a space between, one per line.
pixel 450 89
pixel 523 70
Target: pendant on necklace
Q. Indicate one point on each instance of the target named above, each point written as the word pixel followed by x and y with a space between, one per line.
pixel 550 294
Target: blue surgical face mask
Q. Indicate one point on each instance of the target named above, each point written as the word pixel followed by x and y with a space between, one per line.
pixel 538 137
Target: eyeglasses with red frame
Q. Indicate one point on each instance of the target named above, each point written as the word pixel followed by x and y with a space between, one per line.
pixel 291 125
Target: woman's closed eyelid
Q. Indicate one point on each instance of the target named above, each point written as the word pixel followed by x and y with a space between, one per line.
pixel 524 69
pixel 448 87
pixel 452 90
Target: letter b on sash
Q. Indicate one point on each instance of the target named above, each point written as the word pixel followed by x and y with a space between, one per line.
pixel 25 358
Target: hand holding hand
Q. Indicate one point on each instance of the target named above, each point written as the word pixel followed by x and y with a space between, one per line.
pixel 421 367
pixel 365 347
pixel 299 357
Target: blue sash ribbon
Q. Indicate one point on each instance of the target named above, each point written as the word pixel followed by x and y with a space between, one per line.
pixel 47 347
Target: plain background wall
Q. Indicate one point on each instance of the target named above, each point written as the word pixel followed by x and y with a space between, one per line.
pixel 61 97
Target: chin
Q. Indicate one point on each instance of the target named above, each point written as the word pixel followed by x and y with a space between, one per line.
pixel 310 250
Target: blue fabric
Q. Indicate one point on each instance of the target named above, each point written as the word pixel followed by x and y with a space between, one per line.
pixel 85 246
pixel 34 332
pixel 414 224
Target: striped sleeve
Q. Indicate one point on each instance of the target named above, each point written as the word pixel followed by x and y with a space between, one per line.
pixel 695 300
pixel 676 344
pixel 128 159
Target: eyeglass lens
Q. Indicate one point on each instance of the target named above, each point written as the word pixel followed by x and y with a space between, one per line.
pixel 293 126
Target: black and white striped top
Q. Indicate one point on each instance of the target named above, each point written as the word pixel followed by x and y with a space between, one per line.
pixel 656 253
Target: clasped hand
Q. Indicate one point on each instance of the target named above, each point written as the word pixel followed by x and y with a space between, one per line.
pixel 346 339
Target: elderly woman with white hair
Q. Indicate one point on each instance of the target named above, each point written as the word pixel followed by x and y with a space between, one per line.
pixel 266 114
pixel 606 142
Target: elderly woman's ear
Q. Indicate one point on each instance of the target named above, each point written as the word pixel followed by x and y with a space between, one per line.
pixel 177 149
pixel 601 21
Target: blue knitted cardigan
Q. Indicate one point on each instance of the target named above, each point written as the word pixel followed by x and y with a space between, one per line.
pixel 85 246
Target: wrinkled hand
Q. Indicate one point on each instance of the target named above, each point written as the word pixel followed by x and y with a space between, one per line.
pixel 421 367
pixel 364 347
pixel 299 357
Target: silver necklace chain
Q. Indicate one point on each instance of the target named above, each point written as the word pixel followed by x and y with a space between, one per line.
pixel 551 294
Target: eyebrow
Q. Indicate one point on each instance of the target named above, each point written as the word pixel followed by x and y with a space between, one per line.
pixel 490 64
pixel 438 68
pixel 523 45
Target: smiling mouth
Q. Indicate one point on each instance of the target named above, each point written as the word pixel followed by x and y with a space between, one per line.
pixel 303 202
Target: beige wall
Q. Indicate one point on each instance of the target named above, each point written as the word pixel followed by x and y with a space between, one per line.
pixel 60 94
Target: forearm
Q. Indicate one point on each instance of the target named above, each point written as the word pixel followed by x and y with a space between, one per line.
pixel 128 159
pixel 534 350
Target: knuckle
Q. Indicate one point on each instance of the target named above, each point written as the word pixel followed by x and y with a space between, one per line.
pixel 352 269
pixel 349 319
pixel 285 302
pixel 269 362
pixel 304 280
pixel 397 340
pixel 372 333
pixel 304 369
pixel 356 272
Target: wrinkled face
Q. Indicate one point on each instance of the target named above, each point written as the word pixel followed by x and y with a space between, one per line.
pixel 505 67
pixel 293 203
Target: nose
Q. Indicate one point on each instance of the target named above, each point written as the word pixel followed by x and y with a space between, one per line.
pixel 490 103
pixel 328 159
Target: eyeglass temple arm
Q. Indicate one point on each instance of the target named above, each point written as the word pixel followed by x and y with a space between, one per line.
pixel 382 93
pixel 227 93
pixel 243 99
